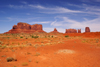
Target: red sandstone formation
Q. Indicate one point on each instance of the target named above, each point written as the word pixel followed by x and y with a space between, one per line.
pixel 26 28
pixel 55 31
pixel 87 29
pixel 71 31
pixel 79 30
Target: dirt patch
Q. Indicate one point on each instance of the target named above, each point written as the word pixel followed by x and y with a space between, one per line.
pixel 66 51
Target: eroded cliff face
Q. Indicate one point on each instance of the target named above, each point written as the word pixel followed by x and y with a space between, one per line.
pixel 87 29
pixel 26 28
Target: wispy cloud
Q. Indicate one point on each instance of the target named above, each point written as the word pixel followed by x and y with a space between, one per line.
pixel 44 22
pixel 89 9
pixel 44 9
pixel 16 6
pixel 24 2
pixel 70 23
pixel 90 0
pixel 84 9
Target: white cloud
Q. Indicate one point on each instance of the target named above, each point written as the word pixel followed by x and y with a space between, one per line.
pixel 90 1
pixel 44 9
pixel 37 6
pixel 44 22
pixel 69 23
pixel 16 6
pixel 88 9
pixel 85 9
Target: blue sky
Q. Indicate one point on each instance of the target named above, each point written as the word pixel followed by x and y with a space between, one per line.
pixel 60 14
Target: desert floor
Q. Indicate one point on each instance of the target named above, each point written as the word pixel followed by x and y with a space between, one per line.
pixel 50 50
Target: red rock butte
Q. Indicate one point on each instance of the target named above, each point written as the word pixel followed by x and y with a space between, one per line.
pixel 26 28
pixel 87 29
pixel 79 30
pixel 71 31
pixel 55 31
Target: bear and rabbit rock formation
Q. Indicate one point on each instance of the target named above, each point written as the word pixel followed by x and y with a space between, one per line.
pixel 26 28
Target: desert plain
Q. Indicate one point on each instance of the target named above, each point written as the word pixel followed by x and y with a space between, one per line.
pixel 50 49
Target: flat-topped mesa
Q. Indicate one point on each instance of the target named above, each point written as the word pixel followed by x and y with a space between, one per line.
pixel 79 30
pixel 21 25
pixel 36 27
pixel 71 31
pixel 26 28
pixel 87 29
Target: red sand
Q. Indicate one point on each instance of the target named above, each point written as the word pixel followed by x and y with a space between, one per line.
pixel 71 53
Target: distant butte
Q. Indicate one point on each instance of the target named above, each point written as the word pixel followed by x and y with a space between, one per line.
pixel 87 29
pixel 26 28
pixel 71 31
pixel 79 30
pixel 55 31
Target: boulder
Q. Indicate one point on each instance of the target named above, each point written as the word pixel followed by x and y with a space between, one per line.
pixel 87 29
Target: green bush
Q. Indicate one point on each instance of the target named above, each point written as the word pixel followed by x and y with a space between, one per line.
pixel 21 37
pixel 66 36
pixel 35 36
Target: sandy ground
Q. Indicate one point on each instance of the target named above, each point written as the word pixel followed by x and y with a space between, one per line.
pixel 71 52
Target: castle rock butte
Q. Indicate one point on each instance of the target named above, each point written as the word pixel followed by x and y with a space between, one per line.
pixel 26 28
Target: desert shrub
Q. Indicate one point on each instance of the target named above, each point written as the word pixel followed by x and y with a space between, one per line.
pixel 24 64
pixel 35 36
pixel 1 42
pixel 3 46
pixel 37 54
pixel 21 37
pixel 8 37
pixel 66 36
pixel 52 36
pixel 10 59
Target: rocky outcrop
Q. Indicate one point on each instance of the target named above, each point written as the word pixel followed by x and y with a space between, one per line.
pixel 71 31
pixel 79 30
pixel 87 29
pixel 26 28
pixel 55 31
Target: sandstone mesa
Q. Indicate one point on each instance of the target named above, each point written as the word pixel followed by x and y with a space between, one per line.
pixel 26 28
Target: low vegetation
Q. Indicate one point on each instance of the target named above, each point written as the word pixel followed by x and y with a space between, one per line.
pixel 25 64
pixel 10 59
pixel 66 36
